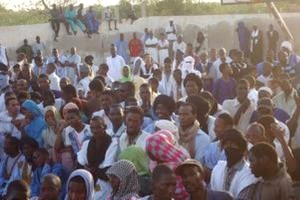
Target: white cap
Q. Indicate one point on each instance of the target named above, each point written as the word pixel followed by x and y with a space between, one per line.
pixel 267 89
pixel 287 44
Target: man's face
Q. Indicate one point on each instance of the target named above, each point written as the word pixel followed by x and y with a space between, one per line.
pixel 116 115
pixel 222 53
pixel 242 91
pixel 145 94
pixel 28 151
pixel 9 148
pixel 38 39
pixel 162 112
pixel 133 122
pixel 55 52
pixel 105 101
pixel 44 84
pixel 38 159
pixel 13 107
pixel 254 137
pixel 49 191
pixel 72 119
pixel 113 51
pixel 165 187
pixel 63 82
pixel 121 36
pixel 220 127
pixel 191 88
pixel 97 127
pixel 22 85
pixel 203 57
pixel 123 92
pixel 191 178
pixel 26 72
pixel 39 62
pixel 256 165
pixel 73 50
pixel 186 116
pixel 177 75
pixel 286 85
pixel 167 67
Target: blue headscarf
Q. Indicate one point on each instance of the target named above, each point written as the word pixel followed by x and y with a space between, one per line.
pixel 35 128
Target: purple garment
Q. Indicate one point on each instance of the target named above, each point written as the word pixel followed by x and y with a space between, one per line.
pixel 279 114
pixel 224 90
pixel 244 38
pixel 92 22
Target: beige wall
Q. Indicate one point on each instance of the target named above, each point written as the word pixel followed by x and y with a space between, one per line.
pixel 220 30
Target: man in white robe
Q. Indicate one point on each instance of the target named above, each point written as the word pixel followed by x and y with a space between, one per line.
pixel 71 65
pixel 163 52
pixel 151 46
pixel 115 64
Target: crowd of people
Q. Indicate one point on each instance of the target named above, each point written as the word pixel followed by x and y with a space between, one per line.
pixel 160 119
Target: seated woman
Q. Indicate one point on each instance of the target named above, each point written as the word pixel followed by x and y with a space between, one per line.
pixel 52 118
pixel 91 21
pixel 34 123
pixel 126 74
pixel 102 145
pixel 162 150
pixel 70 15
pixel 140 160
pixel 80 185
pixel 123 178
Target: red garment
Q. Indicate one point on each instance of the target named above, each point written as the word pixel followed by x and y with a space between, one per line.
pixel 161 146
pixel 135 45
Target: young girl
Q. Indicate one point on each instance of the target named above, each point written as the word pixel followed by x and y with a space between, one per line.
pixel 80 186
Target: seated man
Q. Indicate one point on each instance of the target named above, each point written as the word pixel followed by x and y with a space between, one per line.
pixel 12 163
pixel 105 147
pixel 18 189
pixel 51 188
pixel 233 175
pixel 276 183
pixel 192 174
pixel 42 168
pixel 133 135
pixel 214 152
pixel 163 182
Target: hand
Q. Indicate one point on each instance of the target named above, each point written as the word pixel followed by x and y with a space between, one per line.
pixel 297 100
pixel 245 105
pixel 279 132
pixel 17 122
pixel 61 126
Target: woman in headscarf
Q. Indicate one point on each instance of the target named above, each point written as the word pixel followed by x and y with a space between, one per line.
pixel 123 178
pixel 126 74
pixel 52 118
pixel 162 150
pixel 34 122
pixel 140 160
pixel 80 185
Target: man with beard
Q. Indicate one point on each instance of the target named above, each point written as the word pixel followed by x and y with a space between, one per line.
pixel 192 174
pixel 233 175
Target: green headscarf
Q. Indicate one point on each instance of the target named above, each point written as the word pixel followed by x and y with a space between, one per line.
pixel 138 157
pixel 129 77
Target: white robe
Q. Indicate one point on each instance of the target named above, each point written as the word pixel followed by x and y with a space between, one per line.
pixel 110 158
pixel 115 65
pixel 152 50
pixel 71 71
pixel 163 53
pixel 240 181
pixel 167 84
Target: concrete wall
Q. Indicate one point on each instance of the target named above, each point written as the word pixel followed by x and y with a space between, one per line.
pixel 220 30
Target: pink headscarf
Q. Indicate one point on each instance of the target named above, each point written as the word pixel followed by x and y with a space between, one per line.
pixel 161 147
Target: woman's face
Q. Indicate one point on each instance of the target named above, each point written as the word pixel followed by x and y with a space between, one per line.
pixel 76 191
pixel 28 114
pixel 50 118
pixel 125 71
pixel 114 182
